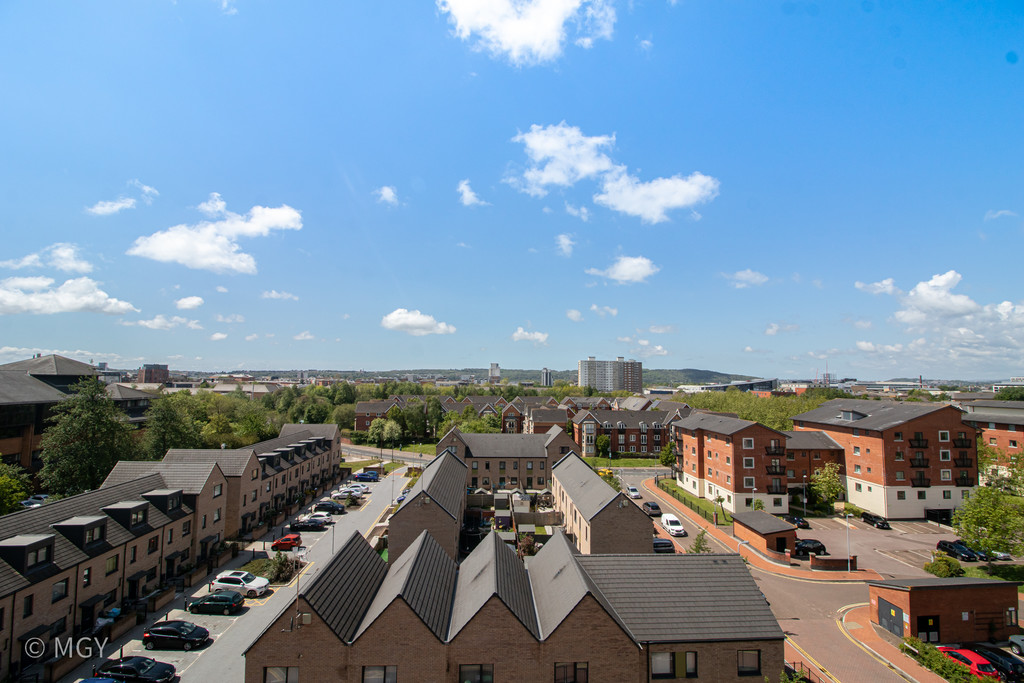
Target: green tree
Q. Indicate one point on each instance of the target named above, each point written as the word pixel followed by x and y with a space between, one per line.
pixel 435 413
pixel 15 485
pixel 170 424
pixel 318 412
pixel 603 446
pixel 991 520
pixel 700 543
pixel 826 483
pixel 1011 394
pixel 758 504
pixel 251 423
pixel 86 438
pixel 345 416
pixel 666 457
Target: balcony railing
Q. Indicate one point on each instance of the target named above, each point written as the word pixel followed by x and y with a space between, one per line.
pixel 961 443
pixel 963 462
pixel 919 443
pixel 774 450
pixel 919 462
pixel 921 482
pixel 777 489
pixel 965 481
pixel 775 469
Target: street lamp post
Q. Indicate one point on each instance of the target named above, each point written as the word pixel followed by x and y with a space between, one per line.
pixel 847 516
pixel 805 495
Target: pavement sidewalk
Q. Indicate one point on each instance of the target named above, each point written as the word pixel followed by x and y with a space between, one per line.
pixel 753 557
pixel 856 624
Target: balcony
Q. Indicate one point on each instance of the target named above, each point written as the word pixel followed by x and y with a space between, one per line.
pixel 919 462
pixel 964 481
pixel 775 469
pixel 775 450
pixel 961 443
pixel 777 489
pixel 963 462
pixel 919 443
pixel 920 482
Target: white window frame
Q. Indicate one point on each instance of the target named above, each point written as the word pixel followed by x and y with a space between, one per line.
pixel 748 482
pixel 945 456
pixel 946 475
pixel 943 435
pixel 748 443
pixel 748 463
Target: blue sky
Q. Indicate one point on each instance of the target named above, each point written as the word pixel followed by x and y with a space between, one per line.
pixel 751 187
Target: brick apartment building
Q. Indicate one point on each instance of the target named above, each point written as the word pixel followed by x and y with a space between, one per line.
pixel 903 460
pixel 562 617
pixel 153 374
pixel 630 431
pixel 436 503
pixel 368 411
pixel 611 375
pixel 1001 426
pixel 508 461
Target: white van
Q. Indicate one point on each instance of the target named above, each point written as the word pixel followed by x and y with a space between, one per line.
pixel 672 525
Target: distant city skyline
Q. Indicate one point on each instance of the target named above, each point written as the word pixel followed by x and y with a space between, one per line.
pixel 749 188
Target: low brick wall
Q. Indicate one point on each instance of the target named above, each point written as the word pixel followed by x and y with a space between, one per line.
pixel 55 669
pixel 781 559
pixel 123 624
pixel 158 601
pixel 833 564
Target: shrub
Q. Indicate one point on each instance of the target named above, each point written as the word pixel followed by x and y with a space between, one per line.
pixel 852 509
pixel 944 567
pixel 929 657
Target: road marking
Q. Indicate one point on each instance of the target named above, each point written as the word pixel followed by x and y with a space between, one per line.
pixel 812 660
pixel 752 567
pixel 840 623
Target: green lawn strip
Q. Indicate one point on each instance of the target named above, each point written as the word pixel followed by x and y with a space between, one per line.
pixel 357 465
pixel 1003 572
pixel 622 462
pixel 424 448
pixel 261 567
pixel 693 502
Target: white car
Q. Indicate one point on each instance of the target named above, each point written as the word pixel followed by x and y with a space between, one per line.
pixel 342 494
pixel 249 585
pixel 632 492
pixel 359 486
pixel 325 516
pixel 672 525
pixel 35 501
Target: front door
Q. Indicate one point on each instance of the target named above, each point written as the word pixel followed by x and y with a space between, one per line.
pixel 928 629
pixel 780 544
pixel 133 589
pixel 890 617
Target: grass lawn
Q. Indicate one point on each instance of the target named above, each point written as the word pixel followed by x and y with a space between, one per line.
pixel 1006 572
pixel 259 567
pixel 622 462
pixel 693 502
pixel 424 448
pixel 357 465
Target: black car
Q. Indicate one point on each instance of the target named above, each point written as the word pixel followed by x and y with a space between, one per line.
pixel 806 546
pixel 876 521
pixel 798 522
pixel 136 669
pixel 174 634
pixel 329 506
pixel 1009 667
pixel 221 602
pixel 981 555
pixel 960 552
pixel 652 509
pixel 308 525
pixel 664 545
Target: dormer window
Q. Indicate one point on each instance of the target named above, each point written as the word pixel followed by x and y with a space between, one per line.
pixel 39 556
pixel 96 533
pixel 174 502
pixel 138 517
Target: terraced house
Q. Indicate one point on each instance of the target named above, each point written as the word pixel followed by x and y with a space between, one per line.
pixel 508 461
pixel 630 431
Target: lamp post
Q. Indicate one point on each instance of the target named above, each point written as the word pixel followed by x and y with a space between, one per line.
pixel 805 495
pixel 847 516
pixel 754 503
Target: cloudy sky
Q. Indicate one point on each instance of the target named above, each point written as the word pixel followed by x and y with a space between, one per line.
pixel 752 187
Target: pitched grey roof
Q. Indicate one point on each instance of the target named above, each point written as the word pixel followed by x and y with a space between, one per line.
pixel 343 590
pixel 190 477
pixel 761 522
pixel 363 407
pixel 631 418
pixel 329 431
pixel 19 388
pixel 937 583
pixel 632 402
pixel 589 492
pixel 444 481
pixel 712 422
pixel 123 393
pixel 553 433
pixel 878 415
pixel 672 406
pixel 492 569
pixel 424 577
pixel 1014 405
pixel 50 365
pixel 282 441
pixel 558 415
pixel 505 445
pixel 805 441
pixel 232 462
pixel 992 416
pixel 683 597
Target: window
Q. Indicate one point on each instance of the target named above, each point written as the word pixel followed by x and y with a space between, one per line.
pixel 691 665
pixel 542 464
pixel 922 495
pixel 380 674
pixel 992 441
pixel 571 672
pixel 748 662
pixel 900 476
pixel 475 464
pixel 776 502
pixel 1011 616
pixel 632 437
pixel 253 499
pixel 38 556
pixel 94 534
pixel 856 450
pixel 943 436
pixel 138 517
pixel 203 523
pixel 898 436
pixel 216 515
pixel 748 463
pixel 857 487
pixel 111 564
pixel 501 466
pixel 899 456
pixel 856 432
pixel 170 535
pixel 663 665
pixel 280 674
pixel 540 481
pixel 186 527
pixel 60 590
pixel 131 554
pixel 86 577
pixel 476 673
pixel 154 544
pixel 515 464
pixel 58 627
pixel 748 482
pixel 790 474
pixel 947 495
pixel 856 469
pixel 529 464
pixel 944 456
pixel 901 495
pixel 1013 443
pixel 945 475
pixel 748 444
pixel 26 607
pixel 218 489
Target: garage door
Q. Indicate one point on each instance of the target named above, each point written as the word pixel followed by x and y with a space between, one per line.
pixel 890 617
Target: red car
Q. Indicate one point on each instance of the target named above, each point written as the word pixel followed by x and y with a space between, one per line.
pixel 287 542
pixel 979 666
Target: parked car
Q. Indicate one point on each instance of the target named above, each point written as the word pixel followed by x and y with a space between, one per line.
pixel 325 517
pixel 798 522
pixel 632 491
pixel 874 520
pixel 307 524
pixel 978 665
pixel 806 546
pixel 1017 645
pixel 35 501
pixel 174 634
pixel 1009 667
pixel 400 498
pixel 330 506
pixel 287 542
pixel 247 583
pixel 344 493
pixel 651 508
pixel 672 525
pixel 956 550
pixel 984 556
pixel 368 476
pixel 136 669
pixel 664 545
pixel 359 486
pixel 221 602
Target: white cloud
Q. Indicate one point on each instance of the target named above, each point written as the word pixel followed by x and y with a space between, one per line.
pixel 414 323
pixel 934 299
pixel 565 244
pixel 561 155
pixel 218 336
pixel 646 45
pixel 528 32
pixel 148 192
pixel 303 336
pixel 574 315
pixel 162 322
pixel 463 245
pixel 106 208
pixel 662 329
pixel 747 278
pixel 862 324
pixel 604 310
pixel 213 245
pixel 647 350
pixel 274 294
pixel 61 255
pixel 991 215
pixel 37 295
pixel 222 289
pixel 774 328
pixel 252 337
pixel 627 269
pixel 748 349
pixel 232 319
pixel 387 194
pixel 626 340
pixel 878 348
pixel 467 196
pixel 582 212
pixel 886 286
pixel 539 338
pixel 650 200
pixel 189 302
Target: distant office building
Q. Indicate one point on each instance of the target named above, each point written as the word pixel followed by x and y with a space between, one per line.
pixel 494 376
pixel 611 375
pixel 153 374
pixel 545 378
